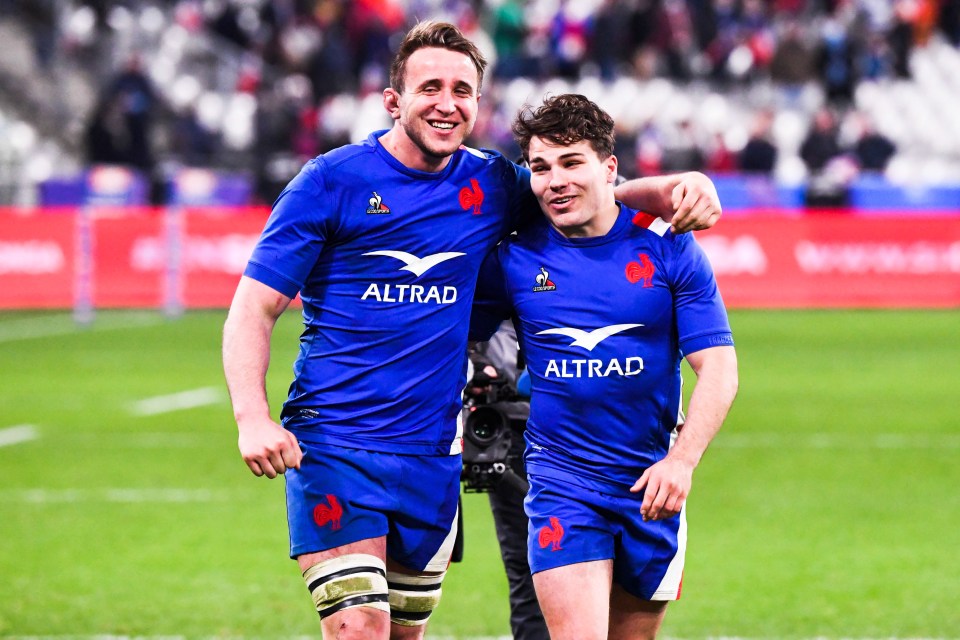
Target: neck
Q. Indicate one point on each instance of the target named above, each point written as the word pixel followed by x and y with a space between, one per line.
pixel 401 147
pixel 598 226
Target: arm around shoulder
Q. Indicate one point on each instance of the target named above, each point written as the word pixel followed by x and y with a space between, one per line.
pixel 689 200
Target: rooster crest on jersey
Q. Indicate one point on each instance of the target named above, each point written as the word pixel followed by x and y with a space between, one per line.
pixel 472 196
pixel 376 205
pixel 551 535
pixel 643 270
pixel 324 514
pixel 544 283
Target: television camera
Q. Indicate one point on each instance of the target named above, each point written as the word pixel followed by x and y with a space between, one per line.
pixel 495 416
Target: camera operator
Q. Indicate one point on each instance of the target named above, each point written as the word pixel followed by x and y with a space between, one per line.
pixel 496 362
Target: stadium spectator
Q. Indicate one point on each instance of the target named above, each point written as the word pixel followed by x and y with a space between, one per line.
pixel 793 61
pixel 821 143
pixel 759 155
pixel 105 138
pixel 835 63
pixel 872 150
pixel 608 463
pixel 379 375
pixel 137 100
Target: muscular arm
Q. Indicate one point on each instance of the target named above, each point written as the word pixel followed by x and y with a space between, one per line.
pixel 689 201
pixel 267 448
pixel 668 482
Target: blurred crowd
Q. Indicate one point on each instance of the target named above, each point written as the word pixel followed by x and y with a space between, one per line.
pixel 299 58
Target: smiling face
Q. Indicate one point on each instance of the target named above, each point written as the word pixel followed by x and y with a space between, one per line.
pixel 436 109
pixel 574 187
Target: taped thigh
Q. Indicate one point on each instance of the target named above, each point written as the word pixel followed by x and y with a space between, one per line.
pixel 352 580
pixel 413 597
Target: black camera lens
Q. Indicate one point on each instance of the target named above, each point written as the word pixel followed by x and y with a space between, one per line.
pixel 484 425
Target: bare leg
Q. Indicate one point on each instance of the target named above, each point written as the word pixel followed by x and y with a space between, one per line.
pixel 575 599
pixel 632 618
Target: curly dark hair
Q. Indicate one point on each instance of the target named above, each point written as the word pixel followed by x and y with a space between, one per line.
pixel 441 35
pixel 565 119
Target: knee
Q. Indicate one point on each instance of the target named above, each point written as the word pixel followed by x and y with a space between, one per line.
pixel 360 623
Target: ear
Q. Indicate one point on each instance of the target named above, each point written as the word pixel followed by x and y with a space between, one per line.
pixel 611 164
pixel 391 102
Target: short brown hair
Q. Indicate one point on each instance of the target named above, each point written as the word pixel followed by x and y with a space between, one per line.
pixel 441 35
pixel 565 119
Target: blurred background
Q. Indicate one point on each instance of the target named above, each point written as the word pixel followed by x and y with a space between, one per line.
pixel 820 96
pixel 143 141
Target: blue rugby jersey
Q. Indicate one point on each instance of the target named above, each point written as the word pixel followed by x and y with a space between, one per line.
pixel 385 259
pixel 603 323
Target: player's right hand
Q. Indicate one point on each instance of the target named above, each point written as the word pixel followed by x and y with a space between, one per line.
pixel 269 449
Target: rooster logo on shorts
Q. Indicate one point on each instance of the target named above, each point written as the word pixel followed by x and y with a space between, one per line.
pixel 328 514
pixel 551 535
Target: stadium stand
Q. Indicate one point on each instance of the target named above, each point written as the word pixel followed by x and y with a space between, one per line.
pixel 253 88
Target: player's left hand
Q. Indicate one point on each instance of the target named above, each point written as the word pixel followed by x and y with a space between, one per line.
pixel 667 485
pixel 696 204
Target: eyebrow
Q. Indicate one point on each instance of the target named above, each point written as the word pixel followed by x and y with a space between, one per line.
pixel 565 156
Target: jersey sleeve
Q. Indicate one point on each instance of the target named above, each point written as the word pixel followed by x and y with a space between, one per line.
pixel 293 236
pixel 524 207
pixel 491 303
pixel 701 315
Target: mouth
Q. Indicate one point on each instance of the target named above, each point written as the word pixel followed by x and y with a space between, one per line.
pixel 443 126
pixel 561 202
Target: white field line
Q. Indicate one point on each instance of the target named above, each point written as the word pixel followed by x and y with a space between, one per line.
pixel 881 441
pixel 191 399
pixel 17 434
pixel 64 325
pixel 116 495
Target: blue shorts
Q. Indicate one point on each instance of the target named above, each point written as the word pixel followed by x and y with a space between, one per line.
pixel 571 524
pixel 344 495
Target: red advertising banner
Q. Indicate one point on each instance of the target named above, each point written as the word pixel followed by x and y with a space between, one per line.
pixel 836 260
pixel 193 257
pixel 216 247
pixel 37 259
pixel 130 254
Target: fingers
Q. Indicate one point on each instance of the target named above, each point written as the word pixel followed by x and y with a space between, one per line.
pixel 271 461
pixel 662 499
pixel 292 456
pixel 696 207
pixel 641 482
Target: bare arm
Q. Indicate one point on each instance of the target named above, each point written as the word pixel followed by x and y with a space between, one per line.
pixel 266 447
pixel 668 482
pixel 689 201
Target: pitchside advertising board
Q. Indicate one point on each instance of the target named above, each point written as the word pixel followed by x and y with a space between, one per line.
pixel 192 257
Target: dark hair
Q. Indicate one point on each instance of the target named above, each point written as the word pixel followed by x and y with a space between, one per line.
pixel 565 119
pixel 441 35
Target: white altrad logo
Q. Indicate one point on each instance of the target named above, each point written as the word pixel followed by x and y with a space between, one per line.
pixel 413 293
pixel 591 367
pixel 588 340
pixel 415 265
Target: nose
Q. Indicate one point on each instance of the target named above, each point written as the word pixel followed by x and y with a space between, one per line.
pixel 558 179
pixel 445 103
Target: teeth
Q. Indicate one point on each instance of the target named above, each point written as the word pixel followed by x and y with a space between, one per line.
pixel 442 125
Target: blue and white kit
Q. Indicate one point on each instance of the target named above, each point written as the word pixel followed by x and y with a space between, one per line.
pixel 385 260
pixel 603 323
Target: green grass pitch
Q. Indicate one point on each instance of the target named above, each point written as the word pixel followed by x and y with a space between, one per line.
pixel 828 507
